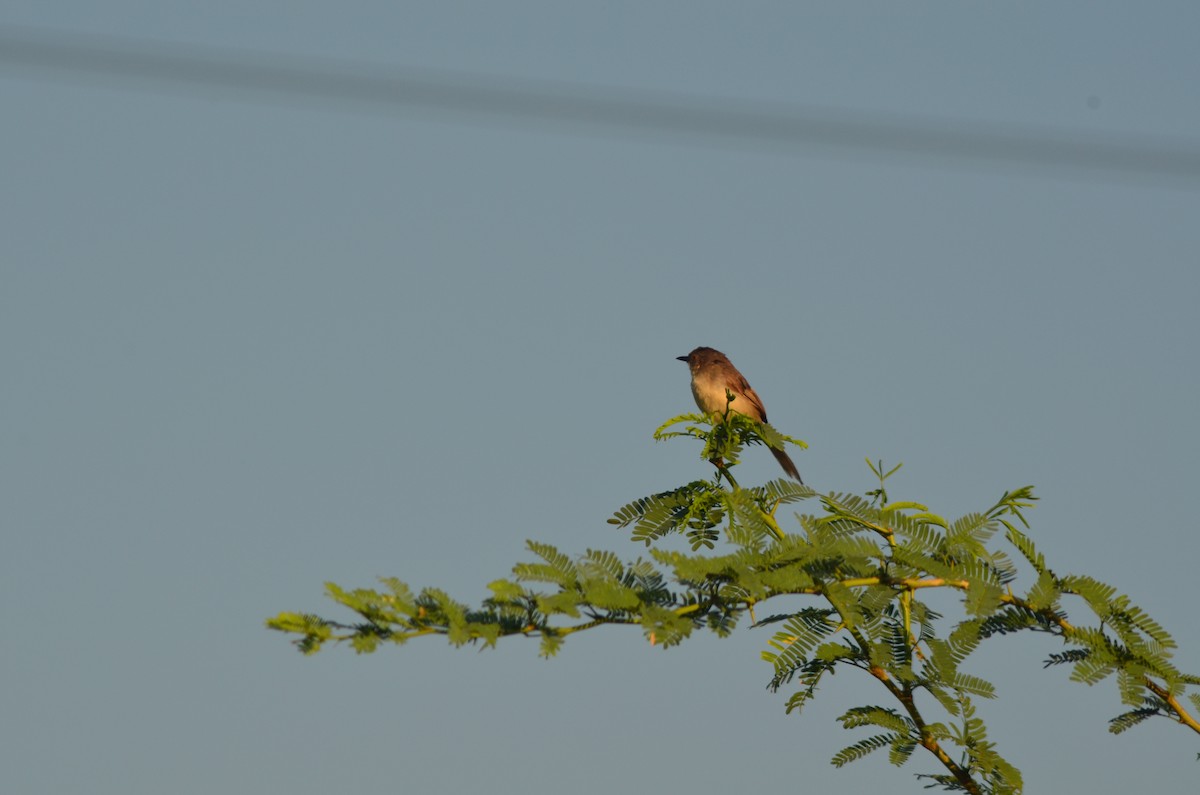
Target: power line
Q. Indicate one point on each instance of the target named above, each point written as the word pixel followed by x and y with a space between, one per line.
pixel 684 118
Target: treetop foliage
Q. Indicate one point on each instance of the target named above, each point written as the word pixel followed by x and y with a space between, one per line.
pixel 862 561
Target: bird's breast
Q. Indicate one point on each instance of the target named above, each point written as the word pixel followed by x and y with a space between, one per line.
pixel 710 395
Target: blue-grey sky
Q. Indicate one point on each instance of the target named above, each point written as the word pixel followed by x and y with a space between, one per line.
pixel 252 343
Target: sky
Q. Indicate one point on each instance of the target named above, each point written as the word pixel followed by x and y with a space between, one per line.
pixel 252 343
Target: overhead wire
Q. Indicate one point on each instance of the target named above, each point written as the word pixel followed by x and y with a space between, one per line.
pixel 744 124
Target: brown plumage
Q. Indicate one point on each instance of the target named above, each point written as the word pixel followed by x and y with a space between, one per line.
pixel 712 375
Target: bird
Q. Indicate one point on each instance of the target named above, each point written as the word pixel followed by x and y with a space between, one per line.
pixel 712 375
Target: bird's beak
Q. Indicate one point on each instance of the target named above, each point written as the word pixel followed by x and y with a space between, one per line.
pixel 682 358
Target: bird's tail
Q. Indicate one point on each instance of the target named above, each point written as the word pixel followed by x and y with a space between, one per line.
pixel 786 463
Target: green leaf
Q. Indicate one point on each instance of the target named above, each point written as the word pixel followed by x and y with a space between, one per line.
pixel 1127 720
pixel 664 627
pixel 1026 547
pixel 884 718
pixel 661 432
pixel 853 753
pixel 563 602
pixel 901 750
pixel 505 590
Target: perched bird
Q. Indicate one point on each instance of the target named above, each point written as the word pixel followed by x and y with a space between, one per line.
pixel 712 375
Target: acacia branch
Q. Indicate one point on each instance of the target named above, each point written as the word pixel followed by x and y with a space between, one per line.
pixel 928 741
pixel 1180 713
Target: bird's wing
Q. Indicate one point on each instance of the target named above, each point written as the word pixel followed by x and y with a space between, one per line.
pixel 738 385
